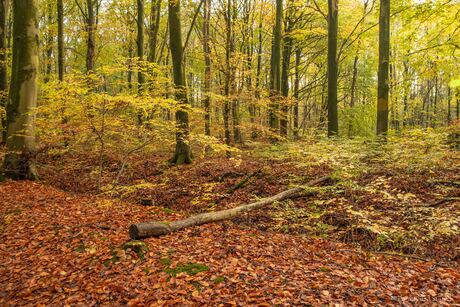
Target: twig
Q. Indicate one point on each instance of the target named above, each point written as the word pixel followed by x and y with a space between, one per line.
pixel 444 200
pixel 445 182
pixel 238 185
pixel 385 254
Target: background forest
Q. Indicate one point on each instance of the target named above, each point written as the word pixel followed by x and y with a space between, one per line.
pixel 338 120
pixel 129 101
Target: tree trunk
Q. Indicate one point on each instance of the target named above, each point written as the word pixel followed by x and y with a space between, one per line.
pixel 154 27
pixel 228 71
pixel 285 69
pixel 449 112
pixel 353 81
pixel 22 102
pixel 49 44
pixel 406 89
pixel 207 69
pixel 140 42
pixel 298 54
pixel 60 39
pixel 3 65
pixel 91 39
pixel 275 66
pixel 458 104
pixel 332 70
pixel 183 152
pixel 155 229
pixel 383 75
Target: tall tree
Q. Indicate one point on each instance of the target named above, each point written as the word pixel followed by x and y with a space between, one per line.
pixel 183 152
pixel 275 68
pixel 229 80
pixel 91 35
pixel 49 42
pixel 383 73
pixel 140 40
pixel 22 98
pixel 60 39
pixel 155 11
pixel 207 68
pixel 298 54
pixel 285 72
pixel 3 65
pixel 332 69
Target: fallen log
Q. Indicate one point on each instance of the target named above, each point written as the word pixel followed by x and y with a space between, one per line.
pixel 156 229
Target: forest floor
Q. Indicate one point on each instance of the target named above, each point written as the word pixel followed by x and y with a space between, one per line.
pixel 386 233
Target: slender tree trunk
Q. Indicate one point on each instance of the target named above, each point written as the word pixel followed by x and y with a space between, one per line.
pixel 232 14
pixel 406 90
pixel 207 69
pixel 449 107
pixel 332 69
pixel 183 152
pixel 140 42
pixel 254 133
pixel 434 119
pixel 91 37
pixel 130 63
pixel 60 39
pixel 298 54
pixel 154 27
pixel 275 67
pixel 3 65
pixel 259 58
pixel 49 43
pixel 383 73
pixel 285 69
pixel 458 104
pixel 229 71
pixel 353 81
pixel 18 163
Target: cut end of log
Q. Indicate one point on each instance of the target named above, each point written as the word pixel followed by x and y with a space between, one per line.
pixel 146 230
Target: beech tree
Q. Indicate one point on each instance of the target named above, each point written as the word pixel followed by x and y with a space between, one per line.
pixel 60 39
pixel 332 69
pixel 384 64
pixel 140 40
pixel 22 100
pixel 183 152
pixel 275 68
pixel 3 65
pixel 207 69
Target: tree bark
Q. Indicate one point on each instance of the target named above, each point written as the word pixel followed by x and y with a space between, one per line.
pixel 275 67
pixel 183 152
pixel 91 38
pixel 155 229
pixel 285 70
pixel 154 27
pixel 332 70
pixel 298 54
pixel 49 43
pixel 60 39
pixel 140 42
pixel 3 65
pixel 383 73
pixel 22 102
pixel 229 48
pixel 449 112
pixel 207 68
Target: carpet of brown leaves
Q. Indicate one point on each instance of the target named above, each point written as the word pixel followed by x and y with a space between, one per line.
pixel 59 248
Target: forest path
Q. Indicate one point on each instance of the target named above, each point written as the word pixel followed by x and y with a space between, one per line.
pixel 58 248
